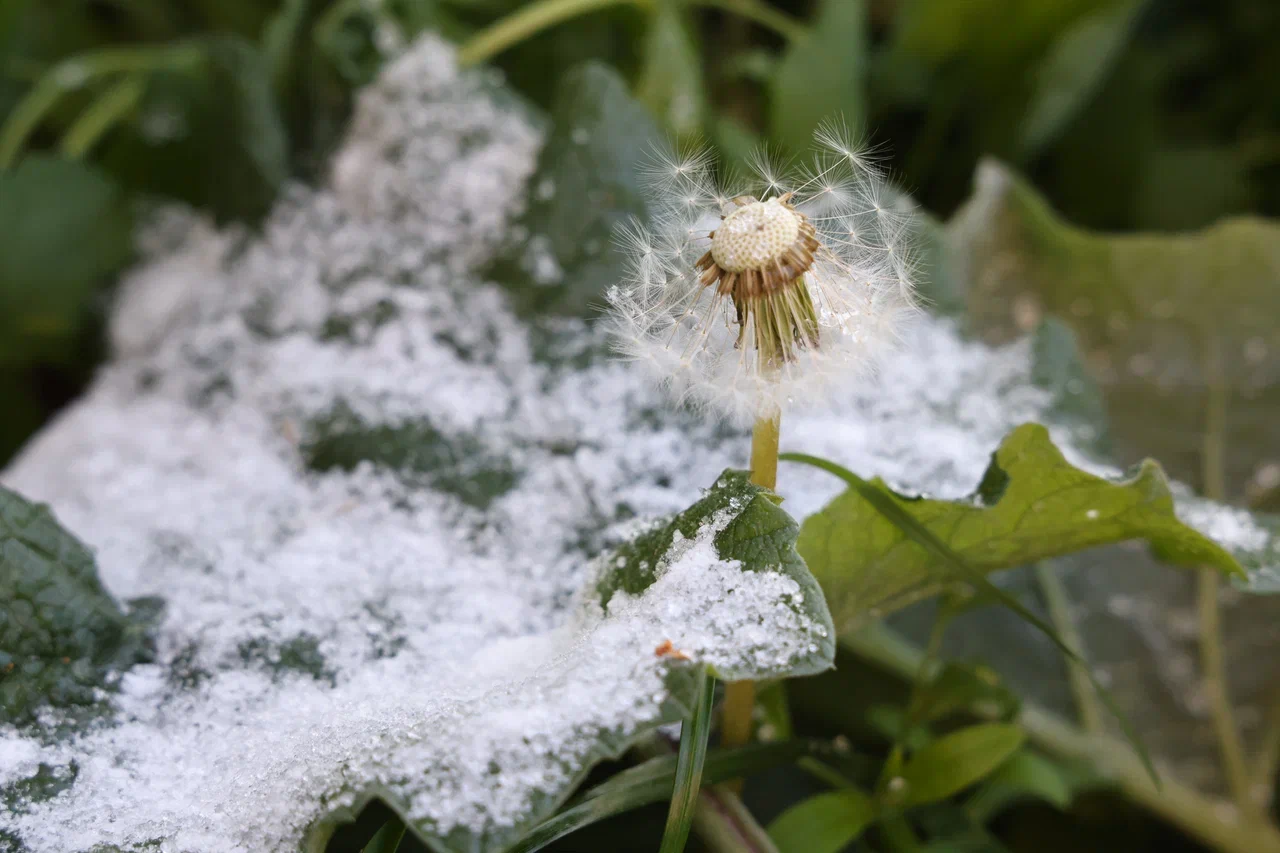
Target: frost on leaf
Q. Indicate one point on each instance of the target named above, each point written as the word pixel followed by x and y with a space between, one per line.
pixel 375 520
pixel 736 528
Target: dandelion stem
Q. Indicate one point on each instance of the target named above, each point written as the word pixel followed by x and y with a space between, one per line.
pixel 740 696
pixel 764 451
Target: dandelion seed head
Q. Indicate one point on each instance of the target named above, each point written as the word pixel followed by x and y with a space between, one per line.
pixel 755 235
pixel 745 297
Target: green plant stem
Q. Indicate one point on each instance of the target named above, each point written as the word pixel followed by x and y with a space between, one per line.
pixel 1212 660
pixel 762 14
pixel 1059 605
pixel 536 17
pixel 110 107
pixel 740 696
pixel 1197 815
pixel 764 451
pixel 725 826
pixel 76 72
pixel 529 21
pixel 924 672
pixel 719 818
pixel 1267 759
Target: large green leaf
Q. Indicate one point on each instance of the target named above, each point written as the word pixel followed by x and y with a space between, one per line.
pixel 821 76
pixel 585 186
pixel 62 637
pixel 1031 504
pixel 48 205
pixel 1162 319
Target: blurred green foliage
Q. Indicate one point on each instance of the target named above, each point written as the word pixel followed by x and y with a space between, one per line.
pixel 1126 114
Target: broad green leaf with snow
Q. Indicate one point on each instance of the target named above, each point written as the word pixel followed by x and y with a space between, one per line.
pixel 63 639
pixel 1030 505
pixel 1137 304
pixel 757 534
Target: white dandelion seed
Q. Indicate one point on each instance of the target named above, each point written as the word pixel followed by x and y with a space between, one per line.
pixel 742 300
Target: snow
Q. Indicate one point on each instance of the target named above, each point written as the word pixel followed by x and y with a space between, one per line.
pixel 460 664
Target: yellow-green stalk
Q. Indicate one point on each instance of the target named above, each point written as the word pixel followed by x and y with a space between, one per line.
pixel 740 696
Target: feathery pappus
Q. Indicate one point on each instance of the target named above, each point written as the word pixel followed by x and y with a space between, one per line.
pixel 746 297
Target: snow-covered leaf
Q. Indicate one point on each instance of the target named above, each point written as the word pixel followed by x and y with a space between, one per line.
pixel 756 533
pixel 297 447
pixel 61 635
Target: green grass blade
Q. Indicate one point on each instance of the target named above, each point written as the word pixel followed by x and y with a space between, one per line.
pixel 387 839
pixel 652 781
pixel 884 503
pixel 693 754
pixel 111 107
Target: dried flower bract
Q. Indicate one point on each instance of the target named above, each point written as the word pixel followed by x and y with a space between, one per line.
pixel 745 299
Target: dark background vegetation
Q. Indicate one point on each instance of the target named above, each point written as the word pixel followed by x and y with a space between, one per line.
pixel 1127 114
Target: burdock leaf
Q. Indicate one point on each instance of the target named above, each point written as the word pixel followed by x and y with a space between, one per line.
pixel 1031 504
